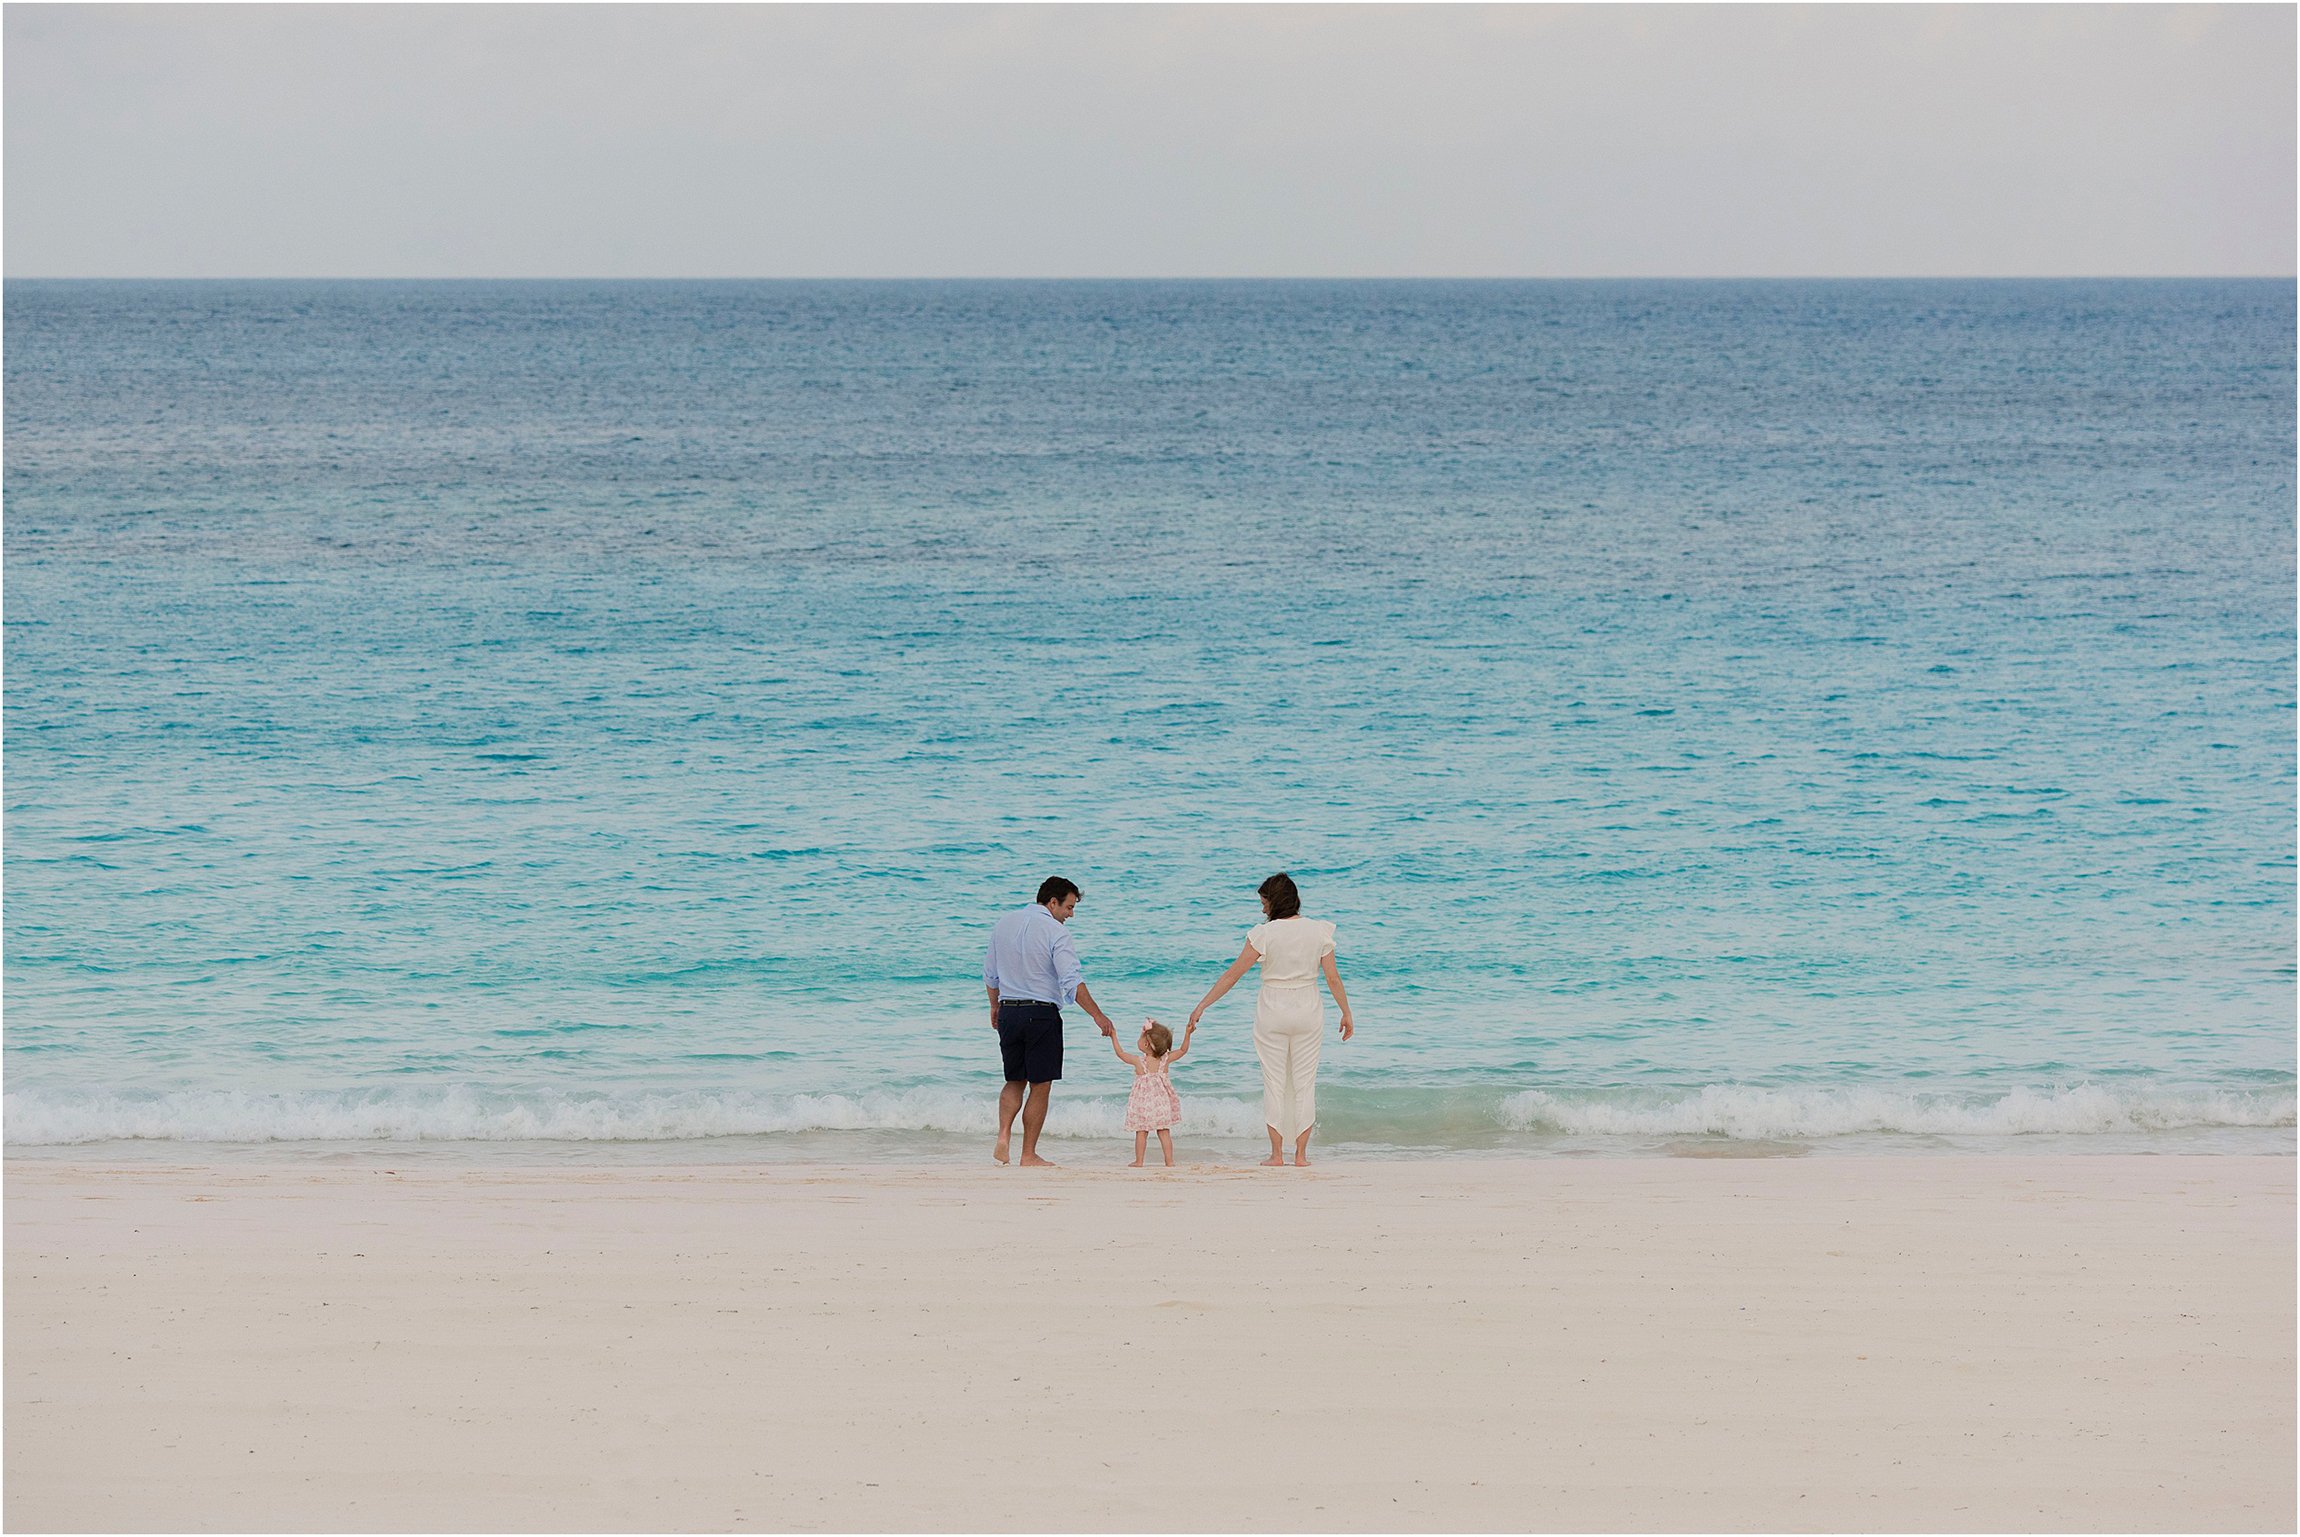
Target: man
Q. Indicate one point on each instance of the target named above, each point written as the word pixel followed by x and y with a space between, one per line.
pixel 1031 972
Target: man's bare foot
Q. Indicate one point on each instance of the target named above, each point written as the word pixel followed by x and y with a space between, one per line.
pixel 1033 1161
pixel 1274 1161
pixel 999 1152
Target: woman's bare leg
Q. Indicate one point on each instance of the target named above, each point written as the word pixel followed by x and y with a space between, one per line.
pixel 1277 1156
pixel 1141 1140
pixel 1165 1145
pixel 1302 1149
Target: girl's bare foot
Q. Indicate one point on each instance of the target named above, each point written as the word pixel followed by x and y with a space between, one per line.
pixel 1136 1164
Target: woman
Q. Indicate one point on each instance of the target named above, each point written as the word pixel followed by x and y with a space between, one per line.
pixel 1289 1016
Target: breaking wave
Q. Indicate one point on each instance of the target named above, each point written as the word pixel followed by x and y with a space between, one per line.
pixel 473 1115
pixel 1487 1116
pixel 1725 1110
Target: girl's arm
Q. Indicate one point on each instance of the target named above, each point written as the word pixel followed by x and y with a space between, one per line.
pixel 1124 1055
pixel 1227 980
pixel 1183 1050
pixel 1334 982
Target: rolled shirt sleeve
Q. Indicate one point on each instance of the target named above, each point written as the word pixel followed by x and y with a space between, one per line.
pixel 990 965
pixel 1067 972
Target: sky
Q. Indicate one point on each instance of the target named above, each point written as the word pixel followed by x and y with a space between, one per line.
pixel 1146 141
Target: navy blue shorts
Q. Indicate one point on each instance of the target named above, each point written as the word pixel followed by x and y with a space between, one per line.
pixel 1030 1041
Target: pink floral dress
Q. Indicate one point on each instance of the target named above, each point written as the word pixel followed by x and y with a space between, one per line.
pixel 1153 1106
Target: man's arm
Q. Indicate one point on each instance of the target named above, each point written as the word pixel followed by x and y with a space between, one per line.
pixel 1070 978
pixel 990 980
pixel 1086 1002
pixel 993 1006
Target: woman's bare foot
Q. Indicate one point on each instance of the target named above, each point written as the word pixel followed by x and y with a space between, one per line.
pixel 1301 1160
pixel 1033 1161
pixel 1274 1161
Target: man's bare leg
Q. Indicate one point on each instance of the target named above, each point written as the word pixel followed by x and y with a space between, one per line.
pixel 1009 1105
pixel 1277 1158
pixel 1033 1117
pixel 1302 1149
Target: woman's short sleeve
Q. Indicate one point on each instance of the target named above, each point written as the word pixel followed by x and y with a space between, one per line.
pixel 1259 937
pixel 1327 948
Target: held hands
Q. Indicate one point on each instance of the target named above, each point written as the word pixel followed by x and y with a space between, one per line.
pixel 1196 1014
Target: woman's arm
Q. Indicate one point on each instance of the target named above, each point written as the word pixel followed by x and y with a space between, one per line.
pixel 1227 980
pixel 1183 1050
pixel 1334 982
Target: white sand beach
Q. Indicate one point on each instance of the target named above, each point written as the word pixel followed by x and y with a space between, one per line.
pixel 2042 1343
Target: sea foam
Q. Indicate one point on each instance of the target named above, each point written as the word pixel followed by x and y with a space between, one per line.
pixel 1400 1118
pixel 1764 1114
pixel 36 1118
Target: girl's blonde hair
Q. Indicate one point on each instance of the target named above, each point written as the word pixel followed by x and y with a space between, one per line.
pixel 1160 1039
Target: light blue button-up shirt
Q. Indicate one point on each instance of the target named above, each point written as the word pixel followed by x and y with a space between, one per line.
pixel 1031 956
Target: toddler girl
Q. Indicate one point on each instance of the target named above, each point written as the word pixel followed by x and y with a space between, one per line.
pixel 1153 1106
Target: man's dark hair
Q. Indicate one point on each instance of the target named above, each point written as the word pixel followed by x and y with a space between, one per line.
pixel 1279 891
pixel 1053 889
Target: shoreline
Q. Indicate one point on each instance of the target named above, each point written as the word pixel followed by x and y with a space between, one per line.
pixel 947 1120
pixel 894 1148
pixel 2029 1343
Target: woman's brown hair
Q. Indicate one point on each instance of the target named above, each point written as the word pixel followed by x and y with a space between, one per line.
pixel 1279 892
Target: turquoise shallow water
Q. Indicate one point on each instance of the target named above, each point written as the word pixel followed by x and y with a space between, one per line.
pixel 1854 715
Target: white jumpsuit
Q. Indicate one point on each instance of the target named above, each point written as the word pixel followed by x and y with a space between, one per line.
pixel 1290 1019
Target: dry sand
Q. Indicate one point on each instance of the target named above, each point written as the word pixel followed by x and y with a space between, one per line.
pixel 1937 1343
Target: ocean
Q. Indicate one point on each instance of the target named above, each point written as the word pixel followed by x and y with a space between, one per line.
pixel 604 719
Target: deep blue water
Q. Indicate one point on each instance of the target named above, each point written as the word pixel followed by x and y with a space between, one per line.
pixel 1773 710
